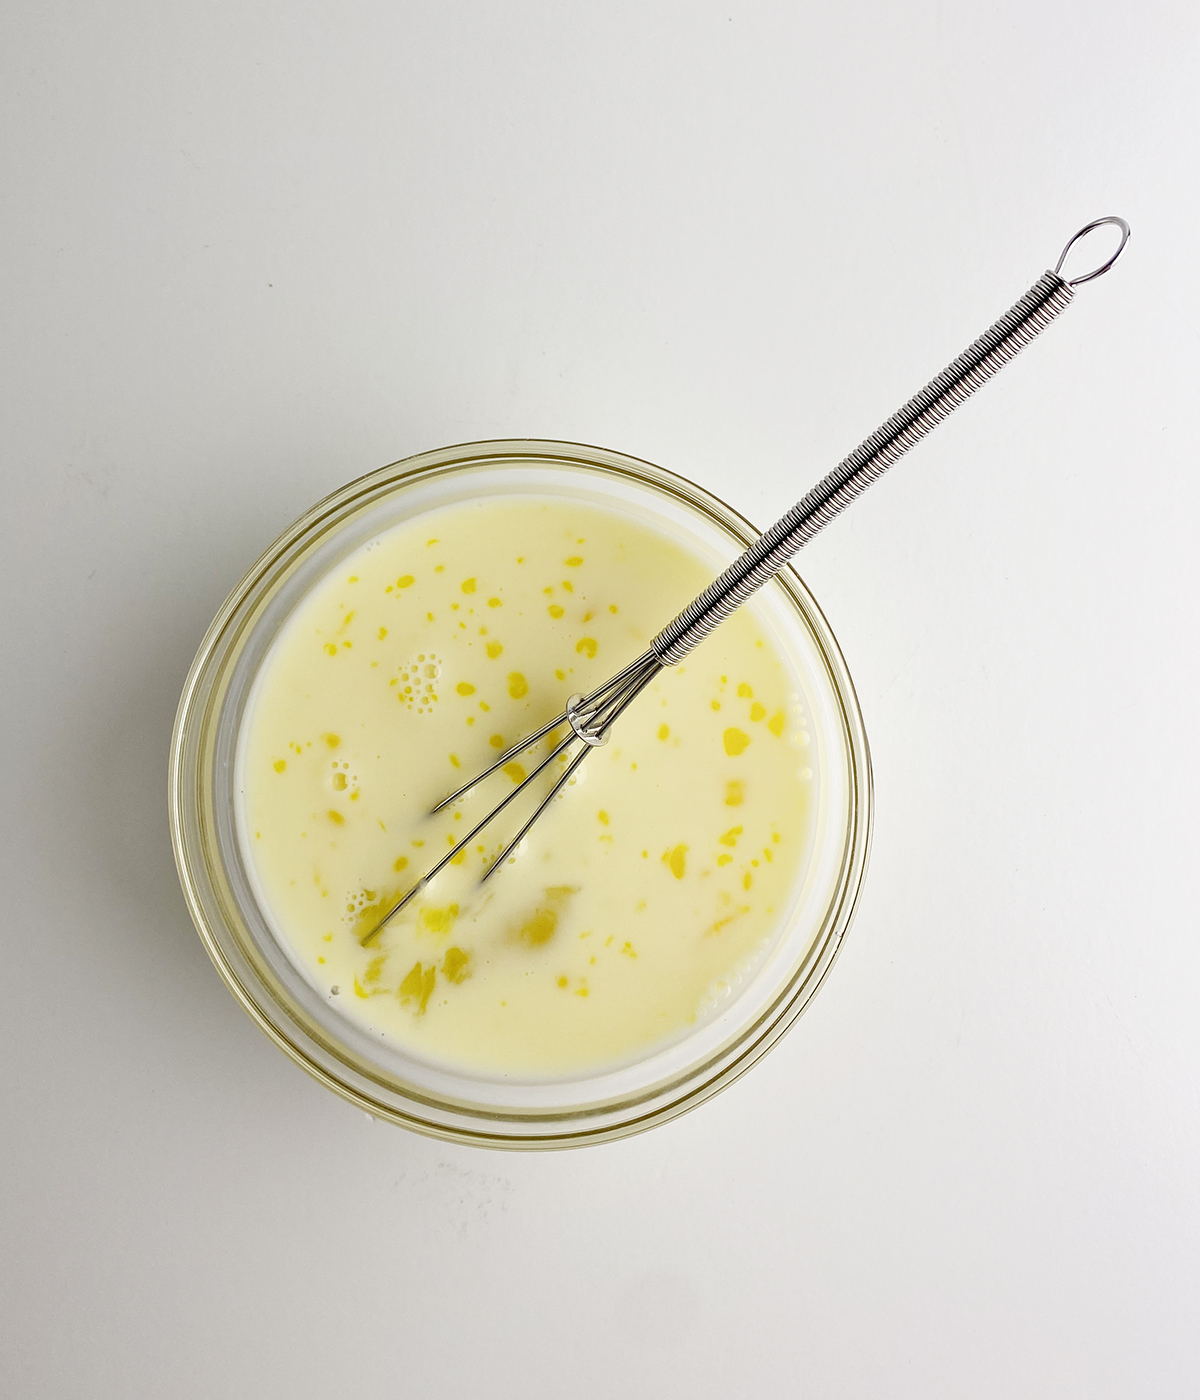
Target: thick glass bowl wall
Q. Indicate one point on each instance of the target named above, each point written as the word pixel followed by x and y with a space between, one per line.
pixel 378 1078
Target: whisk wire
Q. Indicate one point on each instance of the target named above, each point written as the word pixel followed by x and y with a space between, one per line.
pixel 541 807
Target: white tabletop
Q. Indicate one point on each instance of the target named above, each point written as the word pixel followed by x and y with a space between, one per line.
pixel 253 250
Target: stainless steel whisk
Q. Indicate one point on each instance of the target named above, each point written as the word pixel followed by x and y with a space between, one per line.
pixel 588 719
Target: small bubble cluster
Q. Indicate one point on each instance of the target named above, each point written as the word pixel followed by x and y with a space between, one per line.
pixel 343 781
pixel 417 683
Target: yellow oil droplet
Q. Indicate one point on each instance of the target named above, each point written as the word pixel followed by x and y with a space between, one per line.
pixel 439 920
pixel 454 760
pixel 562 981
pixel 574 561
pixel 676 858
pixel 586 646
pixel 731 836
pixel 336 818
pixel 518 686
pixel 331 648
pixel 560 675
pixel 735 742
pixel 495 603
pixel 339 781
pixel 348 619
pixel 468 585
pixel 465 688
pixel 629 951
pixel 405 581
pixel 747 880
pixel 542 925
pixel 602 817
pixel 580 991
pixel 400 863
pixel 724 860
pixel 612 607
pixel 456 965
pixel 554 610
pixel 333 740
pixel 497 741
pixel 382 633
pixel 744 691
pixel 735 793
pixel 494 649
pixel 758 712
pixel 568 585
pixel 664 731
pixel 515 772
pixel 776 722
pixel 418 986
pixel 352 579
pixel 280 764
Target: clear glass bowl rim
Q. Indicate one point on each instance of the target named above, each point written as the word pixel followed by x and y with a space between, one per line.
pixel 308 1044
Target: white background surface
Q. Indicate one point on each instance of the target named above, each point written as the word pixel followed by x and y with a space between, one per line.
pixel 253 250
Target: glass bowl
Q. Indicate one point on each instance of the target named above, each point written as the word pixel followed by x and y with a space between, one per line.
pixel 506 1110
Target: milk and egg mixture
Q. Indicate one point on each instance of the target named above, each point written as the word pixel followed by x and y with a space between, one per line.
pixel 645 893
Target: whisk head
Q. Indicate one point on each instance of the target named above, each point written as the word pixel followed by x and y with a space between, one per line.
pixel 588 721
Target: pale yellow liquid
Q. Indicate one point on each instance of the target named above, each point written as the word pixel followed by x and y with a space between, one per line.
pixel 645 894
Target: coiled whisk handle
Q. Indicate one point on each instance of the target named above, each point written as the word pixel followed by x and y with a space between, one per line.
pixel 1049 296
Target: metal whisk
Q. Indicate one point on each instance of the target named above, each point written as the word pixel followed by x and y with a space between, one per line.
pixel 588 719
